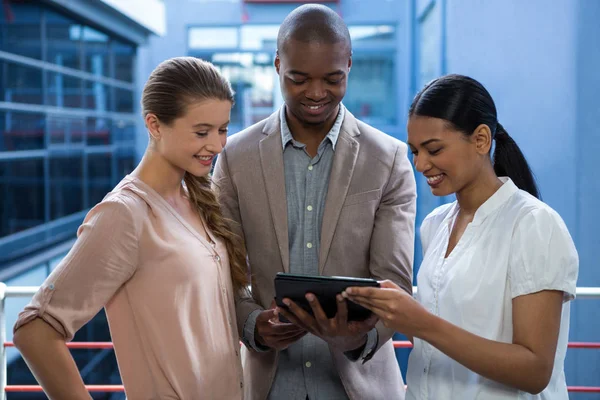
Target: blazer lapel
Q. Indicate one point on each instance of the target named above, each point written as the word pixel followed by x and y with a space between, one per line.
pixel 271 159
pixel 344 160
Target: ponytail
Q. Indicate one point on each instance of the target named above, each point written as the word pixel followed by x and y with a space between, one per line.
pixel 509 161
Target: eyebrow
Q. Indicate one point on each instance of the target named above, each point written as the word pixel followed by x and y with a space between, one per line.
pixel 294 72
pixel 205 125
pixel 425 143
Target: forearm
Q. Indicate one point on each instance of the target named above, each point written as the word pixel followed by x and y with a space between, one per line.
pixel 510 364
pixel 50 361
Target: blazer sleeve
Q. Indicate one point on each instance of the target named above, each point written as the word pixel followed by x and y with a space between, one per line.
pixel 228 199
pixel 392 242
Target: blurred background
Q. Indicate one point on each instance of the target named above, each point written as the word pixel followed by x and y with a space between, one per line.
pixel 71 74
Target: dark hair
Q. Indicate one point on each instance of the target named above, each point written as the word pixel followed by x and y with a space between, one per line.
pixel 465 104
pixel 313 23
pixel 171 87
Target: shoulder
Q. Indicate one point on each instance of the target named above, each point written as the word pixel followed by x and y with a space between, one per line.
pixel 239 142
pixel 438 215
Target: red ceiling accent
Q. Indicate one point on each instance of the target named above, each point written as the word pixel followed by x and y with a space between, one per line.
pixel 289 1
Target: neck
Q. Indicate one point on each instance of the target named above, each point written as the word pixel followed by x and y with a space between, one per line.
pixel 155 171
pixel 310 134
pixel 471 197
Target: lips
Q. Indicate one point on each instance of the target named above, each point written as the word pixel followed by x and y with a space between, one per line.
pixel 315 109
pixel 435 180
pixel 205 160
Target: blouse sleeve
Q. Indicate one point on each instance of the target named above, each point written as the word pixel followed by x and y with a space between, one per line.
pixel 543 255
pixel 102 259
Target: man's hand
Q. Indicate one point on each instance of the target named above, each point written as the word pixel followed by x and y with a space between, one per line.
pixel 269 332
pixel 337 331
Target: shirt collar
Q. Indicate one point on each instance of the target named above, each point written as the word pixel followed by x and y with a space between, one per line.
pixel 334 132
pixel 500 197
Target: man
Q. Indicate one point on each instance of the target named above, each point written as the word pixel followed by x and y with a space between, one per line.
pixel 315 191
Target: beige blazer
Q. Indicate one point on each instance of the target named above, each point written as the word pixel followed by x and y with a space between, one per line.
pixel 367 231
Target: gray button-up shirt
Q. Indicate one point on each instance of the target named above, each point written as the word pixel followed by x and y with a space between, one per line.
pixel 306 368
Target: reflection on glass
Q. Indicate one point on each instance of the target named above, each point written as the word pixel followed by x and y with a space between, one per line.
pixel 65 130
pixel 98 132
pixel 125 161
pixel 66 189
pixel 123 131
pixel 64 90
pixel 213 38
pixel 430 46
pixel 22 195
pixel 96 52
pixel 63 38
pixel 99 177
pixel 96 96
pixel 20 83
pixel 259 37
pixel 376 34
pixel 20 29
pixel 371 95
pixel 21 131
pixel 124 56
pixel 123 100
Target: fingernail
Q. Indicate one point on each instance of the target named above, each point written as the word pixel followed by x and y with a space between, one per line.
pixel 276 311
pixel 286 302
pixel 344 294
pixel 348 291
pixel 310 297
pixel 340 298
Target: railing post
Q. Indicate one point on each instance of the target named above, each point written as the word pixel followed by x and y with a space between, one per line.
pixel 3 371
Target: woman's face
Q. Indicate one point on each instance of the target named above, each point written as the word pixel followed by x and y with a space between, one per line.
pixel 191 142
pixel 449 159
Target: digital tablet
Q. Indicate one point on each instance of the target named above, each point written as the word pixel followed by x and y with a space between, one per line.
pixel 325 288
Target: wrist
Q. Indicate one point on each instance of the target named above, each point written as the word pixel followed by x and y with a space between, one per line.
pixel 430 325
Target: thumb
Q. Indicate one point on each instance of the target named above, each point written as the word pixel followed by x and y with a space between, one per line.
pixel 387 284
pixel 266 314
pixel 273 304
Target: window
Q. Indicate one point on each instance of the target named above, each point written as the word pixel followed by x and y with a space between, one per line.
pixel 213 38
pixel 23 195
pixel 67 131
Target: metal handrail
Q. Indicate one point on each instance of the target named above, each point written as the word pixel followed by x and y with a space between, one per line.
pixel 28 291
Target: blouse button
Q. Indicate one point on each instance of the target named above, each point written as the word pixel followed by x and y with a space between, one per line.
pixel 217 258
pixel 51 286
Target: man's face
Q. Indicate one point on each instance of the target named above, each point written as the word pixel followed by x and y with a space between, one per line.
pixel 313 78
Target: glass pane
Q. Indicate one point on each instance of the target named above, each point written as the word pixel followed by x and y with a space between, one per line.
pixel 254 80
pixel 65 130
pixel 123 132
pixel 20 29
pixel 371 94
pixel 124 56
pixel 21 131
pixel 372 34
pixel 99 177
pixel 20 83
pixel 259 37
pixel 96 96
pixel 123 100
pixel 430 46
pixel 98 132
pixel 96 52
pixel 213 38
pixel 66 185
pixel 125 162
pixel 64 40
pixel 21 195
pixel 64 90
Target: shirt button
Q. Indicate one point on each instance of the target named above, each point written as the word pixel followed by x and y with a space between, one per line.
pixel 241 385
pixel 309 208
pixel 310 167
pixel 309 245
pixel 425 370
pixel 308 364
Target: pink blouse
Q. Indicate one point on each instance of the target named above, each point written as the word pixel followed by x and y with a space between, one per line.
pixel 167 292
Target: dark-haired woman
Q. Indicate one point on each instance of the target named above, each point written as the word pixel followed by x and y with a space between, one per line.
pixel 491 317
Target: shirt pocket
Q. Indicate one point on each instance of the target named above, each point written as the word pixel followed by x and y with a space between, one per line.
pixel 363 197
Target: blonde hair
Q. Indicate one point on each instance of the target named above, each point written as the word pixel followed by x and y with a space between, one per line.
pixel 171 87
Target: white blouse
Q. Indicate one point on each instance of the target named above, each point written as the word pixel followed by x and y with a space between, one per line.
pixel 515 245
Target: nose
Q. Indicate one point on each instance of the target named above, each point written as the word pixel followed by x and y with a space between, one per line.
pixel 421 162
pixel 216 142
pixel 316 90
